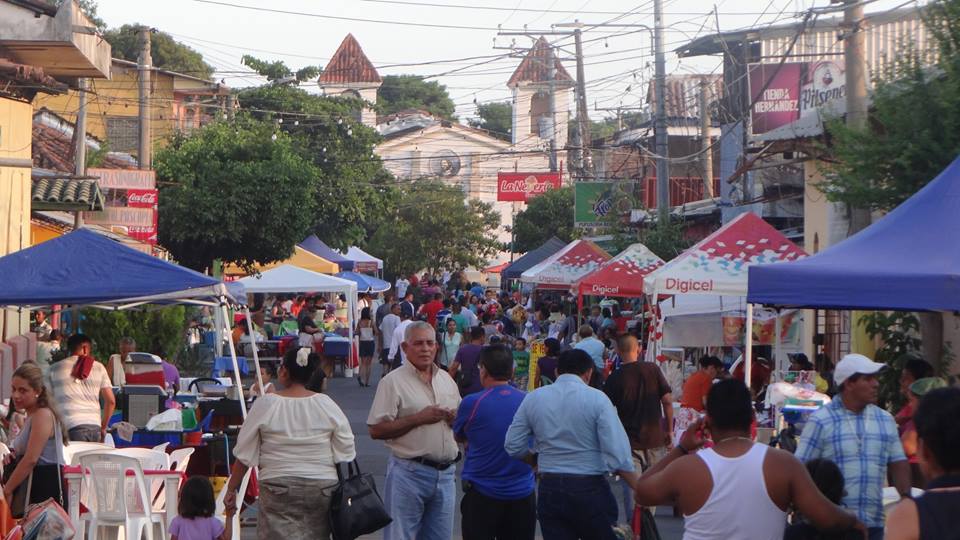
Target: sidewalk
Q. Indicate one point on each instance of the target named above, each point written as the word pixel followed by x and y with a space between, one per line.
pixel 372 455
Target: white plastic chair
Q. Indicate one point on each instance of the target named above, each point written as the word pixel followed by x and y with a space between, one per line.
pixel 150 460
pixel 118 500
pixel 72 451
pixel 161 447
pixel 220 511
pixel 179 460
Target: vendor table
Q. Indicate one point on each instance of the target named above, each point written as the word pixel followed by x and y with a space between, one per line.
pixel 224 364
pixel 171 487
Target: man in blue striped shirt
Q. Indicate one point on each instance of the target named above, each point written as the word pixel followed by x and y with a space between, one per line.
pixel 861 439
pixel 577 440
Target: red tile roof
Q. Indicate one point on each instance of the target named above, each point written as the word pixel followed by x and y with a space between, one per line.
pixel 53 149
pixel 349 65
pixel 533 68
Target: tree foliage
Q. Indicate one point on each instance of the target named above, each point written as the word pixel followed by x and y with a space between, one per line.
pixel 234 190
pixel 435 227
pixel 278 70
pixel 549 214
pixel 914 127
pixel 496 118
pixel 353 190
pixel 400 92
pixel 665 239
pixel 166 52
pixel 160 332
pixel 897 330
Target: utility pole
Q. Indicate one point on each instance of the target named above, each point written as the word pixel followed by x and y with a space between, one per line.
pixel 586 163
pixel 145 64
pixel 706 156
pixel 660 122
pixel 80 140
pixel 856 75
pixel 551 85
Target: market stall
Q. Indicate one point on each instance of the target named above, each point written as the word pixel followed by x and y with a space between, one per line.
pixel 514 270
pixel 563 269
pixel 319 248
pixel 363 262
pixel 290 279
pixel 621 276
pixel 710 278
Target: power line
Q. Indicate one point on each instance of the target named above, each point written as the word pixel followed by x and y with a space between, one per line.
pixel 532 10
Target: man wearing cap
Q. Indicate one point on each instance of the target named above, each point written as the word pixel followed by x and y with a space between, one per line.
pixel 861 439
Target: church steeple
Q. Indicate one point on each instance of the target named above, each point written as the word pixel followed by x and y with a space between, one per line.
pixel 350 73
pixel 531 98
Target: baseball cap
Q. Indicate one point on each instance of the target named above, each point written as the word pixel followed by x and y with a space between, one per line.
pixel 853 364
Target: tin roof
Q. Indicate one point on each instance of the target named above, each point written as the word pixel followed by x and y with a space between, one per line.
pixel 349 65
pixel 533 68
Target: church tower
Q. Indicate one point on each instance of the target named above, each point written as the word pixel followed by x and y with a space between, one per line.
pixel 531 99
pixel 350 73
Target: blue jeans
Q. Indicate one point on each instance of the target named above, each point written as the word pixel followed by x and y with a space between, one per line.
pixel 572 507
pixel 875 533
pixel 420 499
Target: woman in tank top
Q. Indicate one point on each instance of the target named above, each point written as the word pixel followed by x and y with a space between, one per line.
pixel 368 345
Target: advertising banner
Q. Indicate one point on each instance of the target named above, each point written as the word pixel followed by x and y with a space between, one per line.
pixel 125 178
pixel 130 201
pixel 783 94
pixel 522 186
pixel 594 201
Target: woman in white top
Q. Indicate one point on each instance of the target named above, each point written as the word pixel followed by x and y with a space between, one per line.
pixel 296 437
pixel 368 346
pixel 451 343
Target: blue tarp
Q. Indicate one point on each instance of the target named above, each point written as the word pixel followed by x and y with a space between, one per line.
pixel 532 258
pixel 84 267
pixel 908 260
pixel 317 247
pixel 364 282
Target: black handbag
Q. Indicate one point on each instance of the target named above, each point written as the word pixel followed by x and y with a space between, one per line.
pixel 356 508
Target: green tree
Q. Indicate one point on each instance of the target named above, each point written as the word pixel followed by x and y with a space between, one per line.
pixel 353 190
pixel 160 332
pixel 400 92
pixel 167 53
pixel 278 71
pixel 550 214
pixel 665 239
pixel 496 118
pixel 912 134
pixel 234 190
pixel 435 227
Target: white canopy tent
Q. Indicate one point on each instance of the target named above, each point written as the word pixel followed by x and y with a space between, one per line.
pixel 292 279
pixel 356 254
pixel 711 276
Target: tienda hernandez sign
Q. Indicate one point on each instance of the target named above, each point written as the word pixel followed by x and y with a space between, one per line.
pixel 521 187
pixel 781 94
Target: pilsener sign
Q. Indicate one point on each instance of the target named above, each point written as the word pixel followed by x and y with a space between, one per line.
pixel 781 94
pixel 521 186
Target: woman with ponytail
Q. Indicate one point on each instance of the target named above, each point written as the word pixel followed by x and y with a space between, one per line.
pixel 36 450
pixel 296 437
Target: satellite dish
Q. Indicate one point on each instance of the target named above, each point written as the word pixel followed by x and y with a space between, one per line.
pixel 445 164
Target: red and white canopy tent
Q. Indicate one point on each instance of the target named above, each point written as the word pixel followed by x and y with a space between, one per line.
pixel 563 269
pixel 713 273
pixel 621 276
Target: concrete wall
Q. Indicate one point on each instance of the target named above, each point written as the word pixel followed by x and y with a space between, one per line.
pixel 522 100
pixel 16 131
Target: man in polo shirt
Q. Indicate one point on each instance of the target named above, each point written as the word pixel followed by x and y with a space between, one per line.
pixel 498 492
pixel 412 412
pixel 861 439
pixel 79 383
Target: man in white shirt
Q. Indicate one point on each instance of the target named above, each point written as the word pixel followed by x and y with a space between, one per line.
pixel 395 348
pixel 401 286
pixel 389 323
pixel 78 383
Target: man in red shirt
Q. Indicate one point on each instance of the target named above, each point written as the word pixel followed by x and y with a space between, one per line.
pixel 697 386
pixel 431 308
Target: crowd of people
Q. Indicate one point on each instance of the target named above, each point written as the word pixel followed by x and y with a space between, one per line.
pixel 453 386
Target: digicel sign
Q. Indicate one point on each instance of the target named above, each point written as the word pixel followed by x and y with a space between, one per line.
pixel 520 186
pixel 688 285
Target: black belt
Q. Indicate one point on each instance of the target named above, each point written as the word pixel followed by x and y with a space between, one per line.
pixel 440 466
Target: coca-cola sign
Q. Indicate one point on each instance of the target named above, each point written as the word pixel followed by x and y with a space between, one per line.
pixel 141 198
pixel 521 186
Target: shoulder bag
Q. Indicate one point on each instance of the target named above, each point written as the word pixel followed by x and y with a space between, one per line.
pixel 356 508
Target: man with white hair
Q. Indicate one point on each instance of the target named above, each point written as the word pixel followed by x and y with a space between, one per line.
pixel 861 439
pixel 412 413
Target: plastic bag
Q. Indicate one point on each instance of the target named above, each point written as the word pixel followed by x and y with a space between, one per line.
pixel 168 420
pixel 47 521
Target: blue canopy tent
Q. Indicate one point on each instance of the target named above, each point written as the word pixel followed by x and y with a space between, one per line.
pixel 84 268
pixel 908 260
pixel 531 259
pixel 364 282
pixel 317 247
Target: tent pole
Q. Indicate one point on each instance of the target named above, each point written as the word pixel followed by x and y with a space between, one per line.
pixel 776 348
pixel 748 352
pixel 233 356
pixel 253 346
pixel 352 321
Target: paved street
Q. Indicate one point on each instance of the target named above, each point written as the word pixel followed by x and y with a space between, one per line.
pixel 372 455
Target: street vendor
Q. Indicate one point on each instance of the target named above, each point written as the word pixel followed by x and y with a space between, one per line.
pixel 127 345
pixel 310 333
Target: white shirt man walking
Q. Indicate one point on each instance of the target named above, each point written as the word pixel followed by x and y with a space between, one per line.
pixel 78 383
